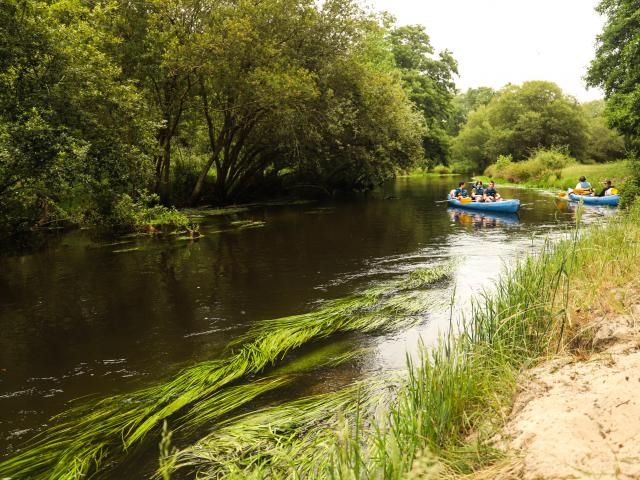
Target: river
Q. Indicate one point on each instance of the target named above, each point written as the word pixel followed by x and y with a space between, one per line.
pixel 89 318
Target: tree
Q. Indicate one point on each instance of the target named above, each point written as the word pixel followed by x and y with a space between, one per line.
pixel 616 67
pixel 280 86
pixel 520 120
pixel 367 127
pixel 605 144
pixel 144 31
pixel 465 103
pixel 70 128
pixel 428 80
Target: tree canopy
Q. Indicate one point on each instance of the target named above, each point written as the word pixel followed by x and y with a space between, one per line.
pixel 206 100
pixel 519 120
pixel 428 79
pixel 616 69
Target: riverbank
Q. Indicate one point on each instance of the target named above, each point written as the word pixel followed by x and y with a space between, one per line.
pixel 588 404
pixel 568 176
pixel 567 409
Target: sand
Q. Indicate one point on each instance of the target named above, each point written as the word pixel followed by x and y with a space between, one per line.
pixel 581 419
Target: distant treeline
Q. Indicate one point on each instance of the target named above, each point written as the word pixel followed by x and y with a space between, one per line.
pixel 518 121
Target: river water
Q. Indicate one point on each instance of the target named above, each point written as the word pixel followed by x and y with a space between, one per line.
pixel 89 318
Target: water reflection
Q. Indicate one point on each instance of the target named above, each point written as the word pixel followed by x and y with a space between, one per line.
pixel 482 219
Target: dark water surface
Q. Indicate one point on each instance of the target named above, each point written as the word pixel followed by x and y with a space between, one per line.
pixel 86 318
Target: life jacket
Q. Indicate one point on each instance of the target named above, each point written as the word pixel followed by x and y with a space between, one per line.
pixel 460 191
pixel 491 192
pixel 478 191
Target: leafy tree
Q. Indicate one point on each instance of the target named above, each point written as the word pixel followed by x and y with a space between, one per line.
pixel 71 131
pixel 616 69
pixel 428 80
pixel 520 120
pixel 369 127
pixel 144 31
pixel 605 144
pixel 465 103
pixel 616 66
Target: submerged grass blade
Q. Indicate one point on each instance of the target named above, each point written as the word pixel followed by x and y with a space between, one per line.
pixel 88 437
pixel 287 441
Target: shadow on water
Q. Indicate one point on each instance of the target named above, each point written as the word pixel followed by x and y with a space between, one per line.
pixel 85 318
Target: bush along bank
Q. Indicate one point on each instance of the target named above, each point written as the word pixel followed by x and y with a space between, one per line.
pixel 439 420
pixel 553 169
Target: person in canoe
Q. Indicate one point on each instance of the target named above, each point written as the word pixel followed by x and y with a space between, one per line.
pixel 460 192
pixel 608 189
pixel 583 187
pixel 491 194
pixel 478 192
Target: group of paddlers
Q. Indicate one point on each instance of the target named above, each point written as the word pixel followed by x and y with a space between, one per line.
pixel 478 193
pixel 584 188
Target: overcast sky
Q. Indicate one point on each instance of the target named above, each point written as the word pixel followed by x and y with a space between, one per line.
pixel 500 41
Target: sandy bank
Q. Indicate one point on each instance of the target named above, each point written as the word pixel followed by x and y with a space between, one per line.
pixel 575 419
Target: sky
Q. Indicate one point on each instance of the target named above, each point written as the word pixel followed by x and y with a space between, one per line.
pixel 509 41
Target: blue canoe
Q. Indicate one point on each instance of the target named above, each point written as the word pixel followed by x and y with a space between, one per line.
pixel 611 200
pixel 505 206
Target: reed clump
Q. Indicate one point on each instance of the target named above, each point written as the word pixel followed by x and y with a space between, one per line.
pixel 91 437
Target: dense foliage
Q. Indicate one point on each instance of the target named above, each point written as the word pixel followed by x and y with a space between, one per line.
pixel 465 103
pixel 204 100
pixel 543 166
pixel 616 69
pixel 519 120
pixel 429 83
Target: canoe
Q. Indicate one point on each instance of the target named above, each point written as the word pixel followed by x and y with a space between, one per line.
pixel 611 200
pixel 505 206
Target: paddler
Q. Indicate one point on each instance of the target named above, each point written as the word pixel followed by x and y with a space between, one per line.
pixel 583 187
pixel 461 192
pixel 491 194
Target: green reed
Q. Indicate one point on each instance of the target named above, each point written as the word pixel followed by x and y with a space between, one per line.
pixel 93 436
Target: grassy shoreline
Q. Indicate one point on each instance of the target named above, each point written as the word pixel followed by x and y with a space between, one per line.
pixel 568 176
pixel 456 396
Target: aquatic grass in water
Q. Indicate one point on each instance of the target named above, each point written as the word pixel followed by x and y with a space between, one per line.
pixel 90 437
pixel 456 394
pixel 293 440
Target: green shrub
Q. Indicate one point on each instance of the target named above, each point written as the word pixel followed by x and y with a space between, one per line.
pixel 462 166
pixel 441 169
pixel 144 212
pixel 545 165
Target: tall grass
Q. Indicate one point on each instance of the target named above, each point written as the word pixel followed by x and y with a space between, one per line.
pixel 455 396
pixel 531 173
pixel 90 437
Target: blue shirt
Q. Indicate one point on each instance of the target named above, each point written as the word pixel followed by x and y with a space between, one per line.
pixel 460 192
pixel 584 185
pixel 491 192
